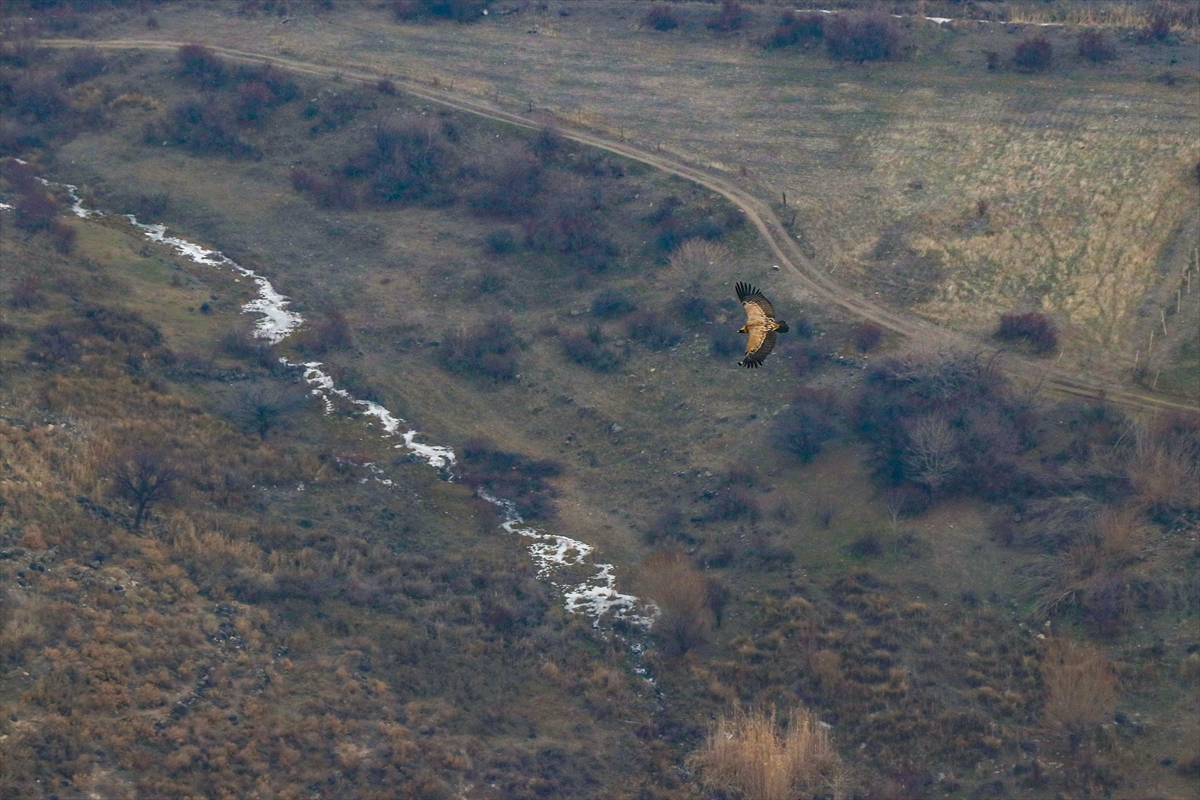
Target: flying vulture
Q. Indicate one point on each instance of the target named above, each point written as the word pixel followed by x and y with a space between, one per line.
pixel 761 325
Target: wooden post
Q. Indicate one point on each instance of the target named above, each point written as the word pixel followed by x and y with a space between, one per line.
pixel 1178 299
pixel 1136 353
pixel 785 198
pixel 1150 349
pixel 1162 312
pixel 1154 385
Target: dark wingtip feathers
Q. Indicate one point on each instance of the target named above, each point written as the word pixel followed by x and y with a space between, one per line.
pixel 744 290
pixel 750 363
pixel 783 327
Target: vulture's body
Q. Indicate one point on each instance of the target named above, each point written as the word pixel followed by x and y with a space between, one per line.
pixel 761 325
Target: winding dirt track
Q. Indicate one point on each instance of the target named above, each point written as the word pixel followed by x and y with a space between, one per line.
pixel 790 257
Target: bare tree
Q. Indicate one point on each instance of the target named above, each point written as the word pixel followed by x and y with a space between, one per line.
pixel 930 455
pixel 144 475
pixel 896 500
pixel 260 407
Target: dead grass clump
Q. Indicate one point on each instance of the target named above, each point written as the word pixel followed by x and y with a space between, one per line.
pixel 1081 686
pixel 1165 465
pixel 746 754
pixel 681 593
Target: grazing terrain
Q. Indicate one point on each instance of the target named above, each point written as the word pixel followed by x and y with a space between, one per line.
pixel 889 563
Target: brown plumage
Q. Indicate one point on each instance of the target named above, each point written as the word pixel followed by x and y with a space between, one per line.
pixel 761 325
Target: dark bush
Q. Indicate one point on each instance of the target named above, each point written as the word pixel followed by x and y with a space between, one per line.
pixel 1033 55
pixel 35 98
pixel 567 223
pixel 412 161
pixel 83 64
pixel 1157 31
pixel 332 332
pixel 36 209
pixel 804 427
pixel 336 192
pixel 993 59
pixel 510 183
pixel 867 336
pixel 455 10
pixel 611 303
pixel 201 126
pixel 654 331
pixel 588 349
pixel 868 545
pixel 56 343
pixel 872 37
pixel 731 503
pixel 486 350
pixel 201 66
pixel 727 343
pixel 694 309
pixel 1037 330
pixel 501 242
pixel 732 17
pixel 1095 47
pixel 260 408
pixel 661 18
pixel 386 87
pixel 796 28
pixel 26 291
pixel 62 236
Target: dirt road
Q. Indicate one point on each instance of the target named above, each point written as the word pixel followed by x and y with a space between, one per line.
pixel 791 258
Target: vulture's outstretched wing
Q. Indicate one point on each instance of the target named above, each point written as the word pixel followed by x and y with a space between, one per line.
pixel 758 348
pixel 752 297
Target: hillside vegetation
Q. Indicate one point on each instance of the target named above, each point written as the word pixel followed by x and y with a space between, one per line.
pixel 881 569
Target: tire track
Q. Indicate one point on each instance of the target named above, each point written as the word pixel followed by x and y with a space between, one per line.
pixel 805 273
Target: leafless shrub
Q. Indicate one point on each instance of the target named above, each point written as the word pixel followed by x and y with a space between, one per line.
pixel 869 37
pixel 794 28
pixel 682 595
pixel 62 236
pixel 733 16
pixel 26 291
pixel 334 192
pixel 144 475
pixel 589 349
pixel 1081 687
pixel 83 64
pixel 654 331
pixel 931 457
pixel 748 755
pixel 486 350
pixel 260 408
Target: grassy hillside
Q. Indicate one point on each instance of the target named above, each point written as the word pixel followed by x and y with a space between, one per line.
pixel 979 588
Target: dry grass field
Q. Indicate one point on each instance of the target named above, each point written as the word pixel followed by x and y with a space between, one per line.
pixel 1087 170
pixel 357 637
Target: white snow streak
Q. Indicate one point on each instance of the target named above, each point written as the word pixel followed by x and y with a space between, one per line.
pixel 595 596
